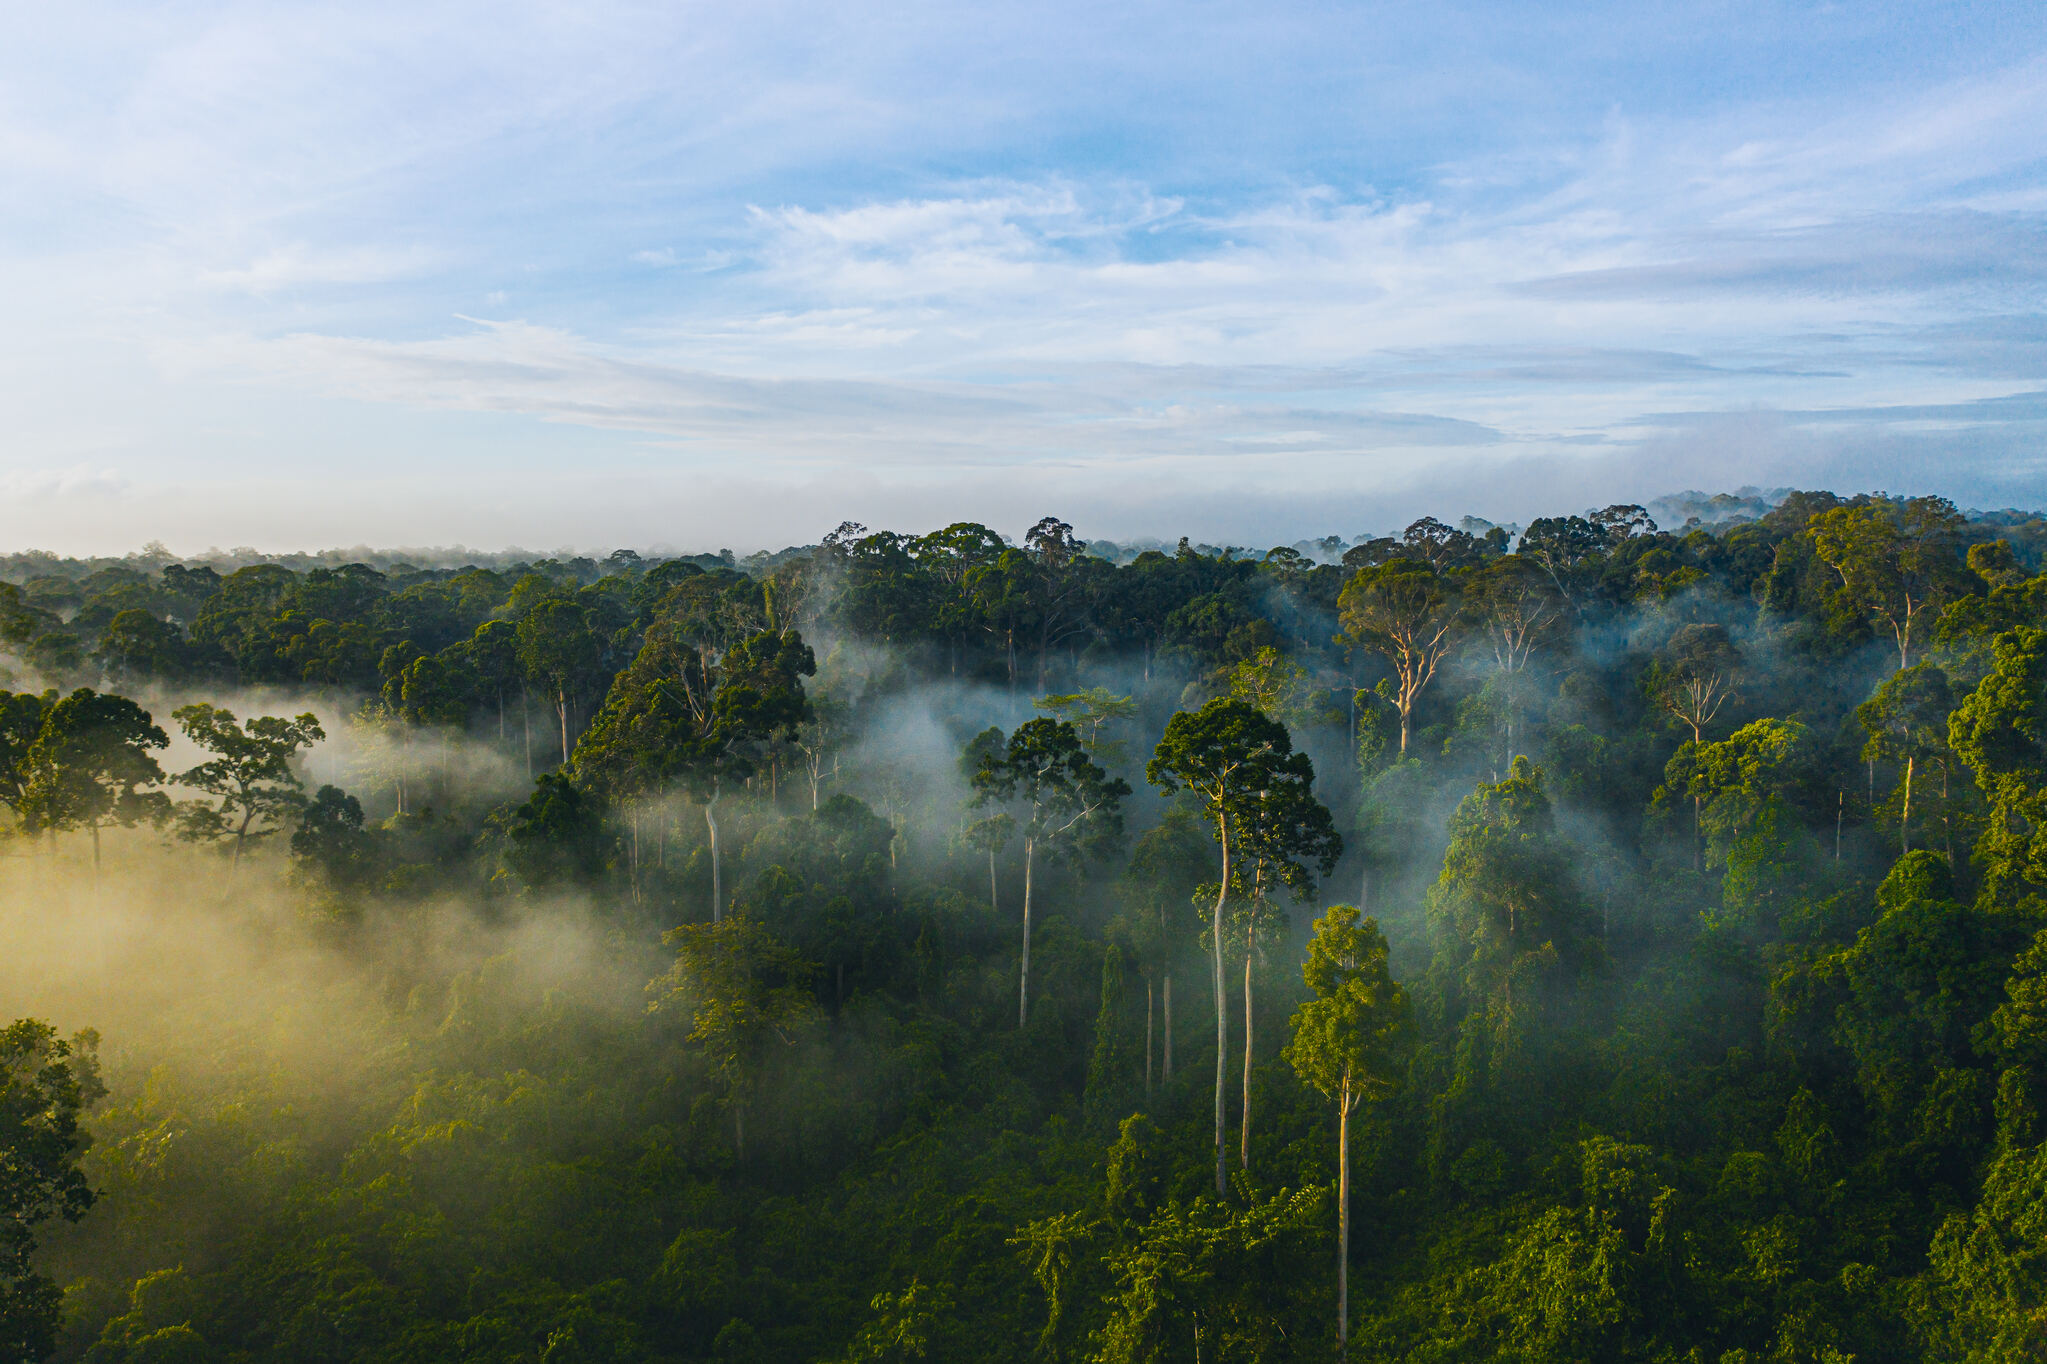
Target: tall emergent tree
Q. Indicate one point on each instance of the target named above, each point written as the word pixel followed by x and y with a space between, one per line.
pixel 1408 612
pixel 89 764
pixel 1259 794
pixel 250 773
pixel 1897 563
pixel 1069 804
pixel 682 711
pixel 1350 1042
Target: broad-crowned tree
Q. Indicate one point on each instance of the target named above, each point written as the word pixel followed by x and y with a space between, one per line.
pixel 1068 807
pixel 1409 613
pixel 89 765
pixel 1897 563
pixel 250 772
pixel 21 721
pixel 1351 1040
pixel 1095 714
pixel 560 654
pixel 1515 608
pixel 1255 792
pixel 682 712
pixel 1695 676
pixel 949 557
pixel 137 646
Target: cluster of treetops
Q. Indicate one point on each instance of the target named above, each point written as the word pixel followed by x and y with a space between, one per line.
pixel 1691 1004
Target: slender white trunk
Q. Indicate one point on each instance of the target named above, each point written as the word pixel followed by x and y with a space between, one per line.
pixel 1166 1018
pixel 1147 1038
pixel 562 706
pixel 1222 1017
pixel 717 881
pixel 1244 1122
pixel 1023 996
pixel 1905 811
pixel 1343 1224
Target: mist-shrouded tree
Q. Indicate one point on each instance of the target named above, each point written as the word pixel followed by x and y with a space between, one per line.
pixel 991 834
pixel 1516 609
pixel 331 852
pixel 21 721
pixel 1350 1041
pixel 1409 613
pixel 249 774
pixel 681 712
pixel 1093 713
pixel 1897 564
pixel 136 645
pixel 1257 794
pixel 1696 676
pixel 1168 863
pixel 1068 806
pixel 46 1084
pixel 744 992
pixel 560 652
pixel 89 765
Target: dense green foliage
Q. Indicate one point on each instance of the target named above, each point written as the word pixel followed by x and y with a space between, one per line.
pixel 1683 997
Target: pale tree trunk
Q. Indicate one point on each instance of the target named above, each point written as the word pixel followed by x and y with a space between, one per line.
pixel 1343 1108
pixel 562 706
pixel 526 720
pixel 1222 1017
pixel 994 900
pixel 1147 1038
pixel 717 881
pixel 1244 1121
pixel 1166 1019
pixel 1023 995
pixel 1905 810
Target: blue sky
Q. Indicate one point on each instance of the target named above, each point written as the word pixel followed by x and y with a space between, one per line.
pixel 699 275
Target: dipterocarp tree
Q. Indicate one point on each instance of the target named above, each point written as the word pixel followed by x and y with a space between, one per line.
pixel 1408 612
pixel 561 653
pixel 1896 563
pixel 680 712
pixel 1351 1040
pixel 250 773
pixel 1258 795
pixel 89 765
pixel 1288 830
pixel 1067 806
